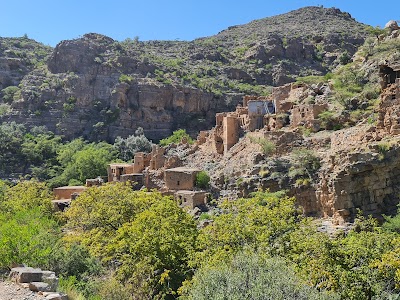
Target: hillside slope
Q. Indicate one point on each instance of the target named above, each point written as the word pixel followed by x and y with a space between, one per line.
pixel 99 88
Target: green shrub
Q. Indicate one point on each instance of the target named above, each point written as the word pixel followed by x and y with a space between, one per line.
pixel 250 276
pixel 132 144
pixel 9 93
pixel 176 138
pixel 305 163
pixel 125 78
pixel 268 147
pixel 202 180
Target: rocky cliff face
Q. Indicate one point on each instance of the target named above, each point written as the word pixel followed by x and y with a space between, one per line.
pixel 99 88
pixel 81 93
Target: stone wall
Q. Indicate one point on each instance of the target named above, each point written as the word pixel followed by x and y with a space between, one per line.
pixel 180 178
pixel 191 199
pixel 65 192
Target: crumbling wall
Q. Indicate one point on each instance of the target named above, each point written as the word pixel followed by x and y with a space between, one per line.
pixel 307 115
pixel 389 109
pixel 115 171
pixel 360 181
pixel 65 192
pixel 191 199
pixel 231 132
pixel 180 178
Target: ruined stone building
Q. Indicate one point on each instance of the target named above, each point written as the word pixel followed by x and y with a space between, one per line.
pixel 180 182
pixel 191 199
pixel 180 178
pixel 64 195
pixel 389 73
pixel 282 108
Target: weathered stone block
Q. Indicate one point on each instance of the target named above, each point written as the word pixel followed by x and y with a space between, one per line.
pixel 25 274
pixel 50 278
pixel 39 287
pixel 56 296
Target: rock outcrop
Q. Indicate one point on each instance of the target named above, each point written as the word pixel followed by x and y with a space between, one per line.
pixel 99 88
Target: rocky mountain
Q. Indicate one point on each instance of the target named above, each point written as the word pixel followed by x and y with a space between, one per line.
pixel 333 144
pixel 99 88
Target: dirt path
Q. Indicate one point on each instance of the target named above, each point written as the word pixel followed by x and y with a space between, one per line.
pixel 12 291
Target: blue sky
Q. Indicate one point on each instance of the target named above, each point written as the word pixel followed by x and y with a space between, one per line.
pixel 50 21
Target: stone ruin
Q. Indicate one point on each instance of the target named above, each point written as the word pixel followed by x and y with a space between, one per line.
pixel 282 108
pixel 180 182
pixel 64 195
pixel 176 179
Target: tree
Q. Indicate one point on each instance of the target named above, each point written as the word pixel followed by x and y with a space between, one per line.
pixel 81 161
pixel 345 263
pixel 132 144
pixel 249 275
pixel 27 195
pixel 27 237
pixel 28 231
pixel 11 158
pixel 176 138
pixel 202 180
pixel 100 211
pixel 154 250
pixel 261 222
pixel 149 236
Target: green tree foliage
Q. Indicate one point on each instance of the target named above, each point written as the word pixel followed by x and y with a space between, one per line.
pixel 26 195
pixel 80 160
pixel 176 138
pixel 345 263
pixel 149 236
pixel 11 158
pixel 263 222
pixel 202 180
pixel 99 212
pixel 154 249
pixel 28 231
pixel 250 276
pixel 28 237
pixel 132 144
pixel 40 148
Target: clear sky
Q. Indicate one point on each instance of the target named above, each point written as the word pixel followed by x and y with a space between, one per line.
pixel 50 21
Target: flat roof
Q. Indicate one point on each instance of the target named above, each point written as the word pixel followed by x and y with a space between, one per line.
pixel 121 165
pixel 71 187
pixel 188 192
pixel 182 169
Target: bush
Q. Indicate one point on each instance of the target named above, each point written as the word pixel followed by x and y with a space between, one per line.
pixel 202 180
pixel 176 138
pixel 305 163
pixel 132 144
pixel 125 78
pixel 250 276
pixel 268 147
pixel 9 93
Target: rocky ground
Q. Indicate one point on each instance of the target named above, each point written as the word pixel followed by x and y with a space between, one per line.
pixel 12 291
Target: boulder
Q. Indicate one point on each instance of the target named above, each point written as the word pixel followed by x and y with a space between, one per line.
pixel 392 25
pixel 50 279
pixel 39 287
pixel 25 274
pixel 56 296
